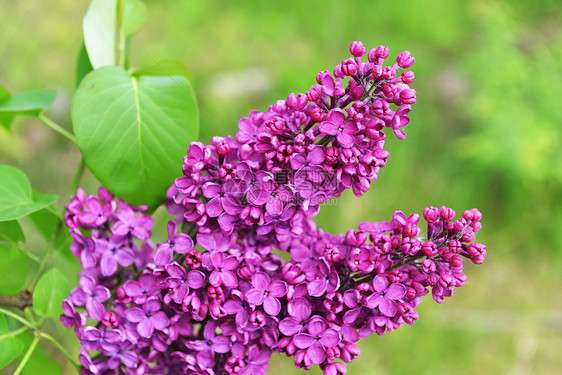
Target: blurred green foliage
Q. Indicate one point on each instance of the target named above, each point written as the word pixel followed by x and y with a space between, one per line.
pixel 485 133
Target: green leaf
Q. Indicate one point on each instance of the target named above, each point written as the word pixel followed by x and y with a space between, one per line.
pixel 10 346
pixel 134 132
pixel 99 32
pixel 49 293
pixel 14 268
pixel 30 103
pixel 11 231
pixel 165 67
pixel 5 119
pixel 83 65
pixel 16 198
pixel 45 222
pixel 135 16
pixel 39 362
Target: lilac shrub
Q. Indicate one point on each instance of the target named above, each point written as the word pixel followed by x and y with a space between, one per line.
pixel 226 306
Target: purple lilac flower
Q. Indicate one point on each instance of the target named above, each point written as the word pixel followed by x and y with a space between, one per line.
pixel 90 295
pixel 317 340
pixel 210 345
pixel 148 318
pixel 180 243
pixel 266 292
pixel 385 296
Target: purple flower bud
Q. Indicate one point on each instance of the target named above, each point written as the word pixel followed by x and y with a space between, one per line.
pixel 223 147
pixel 275 125
pixel 408 76
pixel 446 213
pixel 408 96
pixel 357 49
pixel 431 214
pixel 388 73
pixel 110 320
pixel 382 52
pixel 376 71
pixel 317 115
pixel 296 102
pixel 429 249
pixel 404 59
pixel 455 246
pixel 348 67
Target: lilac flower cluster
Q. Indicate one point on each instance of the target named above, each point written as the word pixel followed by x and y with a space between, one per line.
pixel 225 307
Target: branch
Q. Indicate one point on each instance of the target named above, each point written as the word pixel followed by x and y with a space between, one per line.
pixel 21 301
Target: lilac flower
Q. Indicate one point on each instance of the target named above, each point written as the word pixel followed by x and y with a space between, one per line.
pixel 114 252
pixel 96 214
pixel 335 124
pixel 121 354
pixel 91 295
pixel 70 317
pixel 138 227
pixel 385 296
pixel 317 340
pixel 300 311
pixel 257 363
pixel 149 318
pixel 94 339
pixel 220 199
pixel 180 243
pixel 211 344
pixel 222 270
pixel 180 281
pixel 266 292
pixel 141 290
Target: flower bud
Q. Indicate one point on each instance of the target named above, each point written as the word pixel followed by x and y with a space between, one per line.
pixel 223 147
pixel 408 77
pixel 405 60
pixel 446 213
pixel 382 52
pixel 408 96
pixel 317 114
pixel 429 249
pixel 357 49
pixel 110 320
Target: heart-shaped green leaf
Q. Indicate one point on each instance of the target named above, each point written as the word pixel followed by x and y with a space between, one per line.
pixel 16 198
pixel 14 268
pixel 49 293
pixel 11 231
pixel 83 65
pixel 99 32
pixel 10 346
pixel 29 103
pixel 165 67
pixel 133 132
pixel 134 17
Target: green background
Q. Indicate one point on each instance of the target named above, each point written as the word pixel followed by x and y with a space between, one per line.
pixel 485 133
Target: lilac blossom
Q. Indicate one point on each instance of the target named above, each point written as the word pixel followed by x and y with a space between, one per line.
pixel 227 305
pixel 266 292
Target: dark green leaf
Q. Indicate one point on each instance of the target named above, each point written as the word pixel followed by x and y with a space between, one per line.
pixel 83 65
pixel 29 103
pixel 165 67
pixel 135 16
pixel 51 289
pixel 11 231
pixel 14 268
pixel 10 346
pixel 99 32
pixel 39 362
pixel 16 198
pixel 133 132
